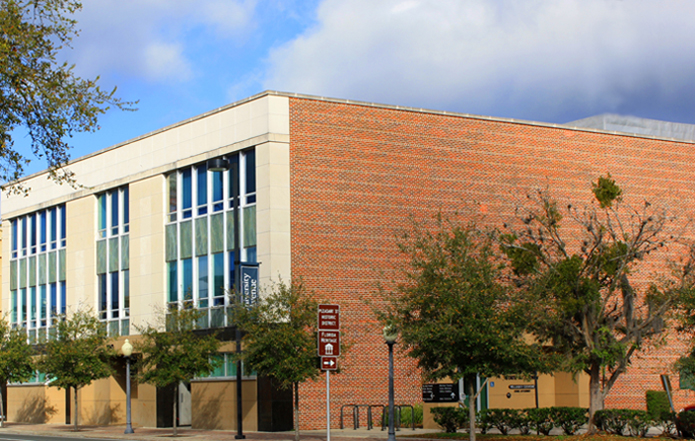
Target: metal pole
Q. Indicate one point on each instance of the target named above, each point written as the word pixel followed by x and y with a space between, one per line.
pixel 237 288
pixel 392 431
pixel 328 405
pixel 128 422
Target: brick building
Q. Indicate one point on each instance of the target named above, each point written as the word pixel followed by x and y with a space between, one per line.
pixel 323 186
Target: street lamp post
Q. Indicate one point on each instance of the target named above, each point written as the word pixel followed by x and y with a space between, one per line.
pixel 127 350
pixel 390 336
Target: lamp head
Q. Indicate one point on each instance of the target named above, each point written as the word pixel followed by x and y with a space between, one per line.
pixel 390 333
pixel 127 348
pixel 217 165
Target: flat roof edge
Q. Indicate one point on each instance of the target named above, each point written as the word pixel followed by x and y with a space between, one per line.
pixel 366 104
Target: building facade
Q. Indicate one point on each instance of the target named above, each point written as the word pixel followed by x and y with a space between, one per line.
pixel 317 189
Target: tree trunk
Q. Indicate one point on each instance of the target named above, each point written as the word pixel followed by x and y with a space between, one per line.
pixel 296 411
pixel 2 408
pixel 595 396
pixel 176 404
pixel 471 409
pixel 77 411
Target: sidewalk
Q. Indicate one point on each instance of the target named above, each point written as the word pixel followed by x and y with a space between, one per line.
pixel 188 434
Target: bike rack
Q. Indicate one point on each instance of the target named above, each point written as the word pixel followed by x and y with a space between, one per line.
pixel 397 410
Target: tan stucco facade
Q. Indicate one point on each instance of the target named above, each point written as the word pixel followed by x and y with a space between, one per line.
pixel 261 122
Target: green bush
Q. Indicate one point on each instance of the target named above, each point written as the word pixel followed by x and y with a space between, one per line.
pixel 483 421
pixel 503 419
pixel 639 422
pixel 541 419
pixel 657 404
pixel 407 416
pixel 523 422
pixel 624 421
pixel 450 418
pixel 685 423
pixel 571 419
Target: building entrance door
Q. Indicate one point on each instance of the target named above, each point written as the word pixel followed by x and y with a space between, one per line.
pixel 184 404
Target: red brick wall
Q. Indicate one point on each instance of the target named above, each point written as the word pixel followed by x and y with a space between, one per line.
pixel 358 173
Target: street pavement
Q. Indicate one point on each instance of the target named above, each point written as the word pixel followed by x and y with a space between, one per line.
pixel 19 431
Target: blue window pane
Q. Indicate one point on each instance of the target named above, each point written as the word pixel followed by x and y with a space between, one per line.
pixel 42 312
pixel 202 172
pixel 126 290
pixel 33 301
pixel 186 190
pixel 114 293
pixel 63 227
pixel 231 270
pixel 173 282
pixel 54 299
pixel 102 295
pixel 203 281
pixel 24 233
pixel 187 265
pixel 250 171
pixel 32 231
pixel 113 195
pixel 14 235
pixel 24 304
pixel 251 255
pixel 126 207
pixel 63 297
pixel 218 277
pixel 171 188
pixel 102 213
pixel 234 177
pixel 53 213
pixel 217 186
pixel 42 229
pixel 14 306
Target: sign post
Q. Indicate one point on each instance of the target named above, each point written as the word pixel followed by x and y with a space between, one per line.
pixel 329 350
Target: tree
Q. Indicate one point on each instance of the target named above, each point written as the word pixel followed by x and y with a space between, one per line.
pixel 454 314
pixel 16 364
pixel 174 352
pixel 79 354
pixel 40 94
pixel 280 339
pixel 587 275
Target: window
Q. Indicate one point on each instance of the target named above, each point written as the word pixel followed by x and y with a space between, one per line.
pixel 113 260
pixel 205 207
pixel 227 368
pixel 38 290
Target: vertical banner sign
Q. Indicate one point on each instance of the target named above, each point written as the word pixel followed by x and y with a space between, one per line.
pixel 329 350
pixel 249 285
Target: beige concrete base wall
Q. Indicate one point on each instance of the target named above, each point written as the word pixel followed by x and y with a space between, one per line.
pixel 35 404
pixel 214 405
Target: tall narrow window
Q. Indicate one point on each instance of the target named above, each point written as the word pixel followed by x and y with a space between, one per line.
pixel 200 254
pixel 37 261
pixel 112 244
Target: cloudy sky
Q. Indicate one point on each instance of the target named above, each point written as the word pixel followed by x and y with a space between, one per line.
pixel 542 60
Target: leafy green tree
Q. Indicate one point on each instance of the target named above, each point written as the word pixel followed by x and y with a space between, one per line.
pixel 39 93
pixel 174 352
pixel 79 354
pixel 280 339
pixel 587 272
pixel 16 363
pixel 454 314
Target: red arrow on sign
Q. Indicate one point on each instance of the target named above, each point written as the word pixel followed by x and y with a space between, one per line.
pixel 329 363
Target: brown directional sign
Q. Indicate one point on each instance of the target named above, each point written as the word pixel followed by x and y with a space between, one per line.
pixel 329 343
pixel 329 363
pixel 329 318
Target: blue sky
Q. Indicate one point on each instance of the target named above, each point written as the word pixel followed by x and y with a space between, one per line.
pixel 542 60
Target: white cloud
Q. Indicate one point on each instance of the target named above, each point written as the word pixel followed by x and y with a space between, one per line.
pixel 154 39
pixel 536 59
